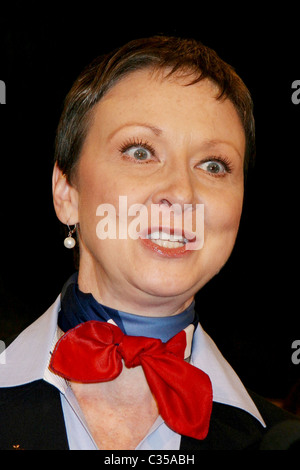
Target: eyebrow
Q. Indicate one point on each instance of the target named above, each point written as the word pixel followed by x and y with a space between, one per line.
pixel 215 142
pixel 156 130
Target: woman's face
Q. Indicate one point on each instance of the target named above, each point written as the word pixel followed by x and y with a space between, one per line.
pixel 158 142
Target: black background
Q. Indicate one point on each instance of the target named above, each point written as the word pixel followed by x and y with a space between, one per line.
pixel 251 308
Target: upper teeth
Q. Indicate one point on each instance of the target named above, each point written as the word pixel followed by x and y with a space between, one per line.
pixel 160 235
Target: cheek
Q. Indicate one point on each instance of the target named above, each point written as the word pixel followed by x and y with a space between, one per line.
pixel 96 188
pixel 100 188
pixel 222 218
pixel 222 215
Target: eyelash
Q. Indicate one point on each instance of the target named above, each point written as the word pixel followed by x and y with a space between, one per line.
pixel 223 161
pixel 132 142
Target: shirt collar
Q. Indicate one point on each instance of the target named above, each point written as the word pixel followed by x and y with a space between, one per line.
pixel 27 357
pixel 31 350
pixel 227 386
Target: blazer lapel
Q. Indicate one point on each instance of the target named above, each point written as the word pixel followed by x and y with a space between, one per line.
pixel 230 429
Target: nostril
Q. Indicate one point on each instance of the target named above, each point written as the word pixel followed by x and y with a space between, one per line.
pixel 166 202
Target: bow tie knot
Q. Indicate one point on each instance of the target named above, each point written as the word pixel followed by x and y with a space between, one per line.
pixel 135 349
pixel 94 352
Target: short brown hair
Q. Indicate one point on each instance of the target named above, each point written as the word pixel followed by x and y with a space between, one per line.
pixel 158 52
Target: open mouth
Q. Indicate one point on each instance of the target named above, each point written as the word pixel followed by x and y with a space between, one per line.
pixel 167 240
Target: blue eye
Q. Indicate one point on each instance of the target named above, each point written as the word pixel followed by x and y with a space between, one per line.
pixel 216 166
pixel 138 153
pixel 137 150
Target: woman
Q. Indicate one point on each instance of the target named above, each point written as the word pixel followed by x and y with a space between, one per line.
pixel 163 123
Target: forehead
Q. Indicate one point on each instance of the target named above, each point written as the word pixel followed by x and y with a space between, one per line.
pixel 170 104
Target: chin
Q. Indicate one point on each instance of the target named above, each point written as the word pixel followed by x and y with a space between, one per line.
pixel 170 287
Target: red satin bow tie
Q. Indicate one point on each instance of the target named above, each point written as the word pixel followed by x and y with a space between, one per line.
pixel 93 352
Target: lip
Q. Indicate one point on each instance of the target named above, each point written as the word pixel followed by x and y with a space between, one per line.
pixel 167 252
pixel 163 251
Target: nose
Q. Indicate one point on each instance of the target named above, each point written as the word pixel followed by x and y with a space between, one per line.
pixel 176 186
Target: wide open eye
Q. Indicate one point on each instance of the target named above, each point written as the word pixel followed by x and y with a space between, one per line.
pixel 137 150
pixel 138 153
pixel 216 166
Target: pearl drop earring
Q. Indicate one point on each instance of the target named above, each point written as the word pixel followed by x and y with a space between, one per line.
pixel 69 241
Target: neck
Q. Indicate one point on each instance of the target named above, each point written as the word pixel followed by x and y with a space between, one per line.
pixel 78 307
pixel 120 412
pixel 135 301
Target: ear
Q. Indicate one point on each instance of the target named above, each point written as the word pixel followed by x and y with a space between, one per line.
pixel 65 198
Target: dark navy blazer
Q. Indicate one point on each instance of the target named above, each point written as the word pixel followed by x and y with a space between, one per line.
pixel 31 418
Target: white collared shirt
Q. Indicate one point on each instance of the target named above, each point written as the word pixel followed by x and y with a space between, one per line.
pixel 32 349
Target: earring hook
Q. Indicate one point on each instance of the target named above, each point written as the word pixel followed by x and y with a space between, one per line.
pixel 71 231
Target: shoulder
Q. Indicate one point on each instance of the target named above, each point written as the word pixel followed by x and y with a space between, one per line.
pixel 25 358
pixel 232 428
pixel 271 413
pixel 31 417
pixel 282 427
